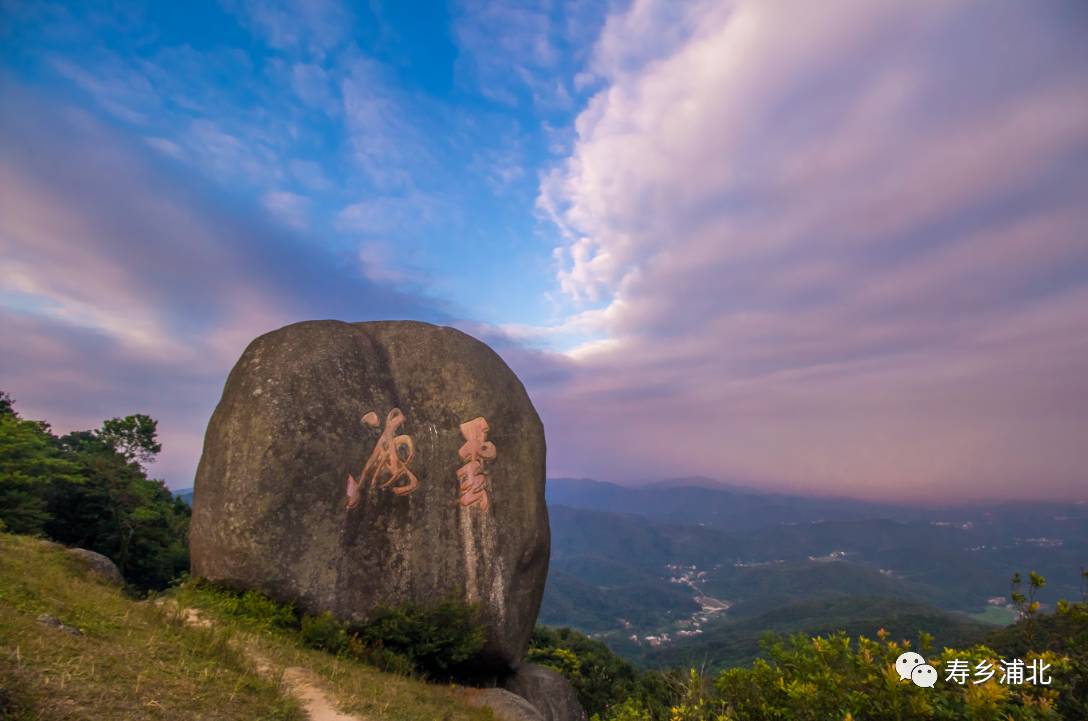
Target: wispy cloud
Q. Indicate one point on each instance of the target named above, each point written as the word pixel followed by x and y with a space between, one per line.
pixel 513 51
pixel 120 275
pixel 314 27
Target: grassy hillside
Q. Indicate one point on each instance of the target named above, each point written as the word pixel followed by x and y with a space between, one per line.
pixel 140 660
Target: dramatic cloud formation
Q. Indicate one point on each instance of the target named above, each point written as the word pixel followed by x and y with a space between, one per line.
pixel 831 246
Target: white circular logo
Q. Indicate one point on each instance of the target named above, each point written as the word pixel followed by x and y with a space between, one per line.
pixel 924 675
pixel 906 662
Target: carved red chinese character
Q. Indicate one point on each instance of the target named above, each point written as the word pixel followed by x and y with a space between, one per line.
pixel 390 457
pixel 476 451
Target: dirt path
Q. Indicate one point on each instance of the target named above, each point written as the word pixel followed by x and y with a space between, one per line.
pixel 301 683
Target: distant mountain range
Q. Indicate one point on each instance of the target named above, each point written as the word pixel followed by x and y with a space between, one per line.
pixel 700 500
pixel 693 570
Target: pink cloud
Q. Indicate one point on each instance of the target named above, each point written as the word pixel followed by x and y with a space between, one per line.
pixel 842 249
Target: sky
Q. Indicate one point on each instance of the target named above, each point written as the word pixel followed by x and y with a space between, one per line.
pixel 834 248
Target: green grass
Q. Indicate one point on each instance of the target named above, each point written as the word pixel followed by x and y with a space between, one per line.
pixel 995 616
pixel 140 660
pixel 132 661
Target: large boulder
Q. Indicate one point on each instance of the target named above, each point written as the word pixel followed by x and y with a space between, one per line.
pixel 350 465
pixel 548 692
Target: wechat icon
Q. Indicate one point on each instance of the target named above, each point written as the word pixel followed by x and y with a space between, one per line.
pixel 911 665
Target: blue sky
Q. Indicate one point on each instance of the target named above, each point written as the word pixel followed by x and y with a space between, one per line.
pixel 829 248
pixel 389 134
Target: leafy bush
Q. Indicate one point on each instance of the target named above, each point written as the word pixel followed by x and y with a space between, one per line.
pixel 437 639
pixel 1063 633
pixel 324 632
pixel 253 607
pixel 833 677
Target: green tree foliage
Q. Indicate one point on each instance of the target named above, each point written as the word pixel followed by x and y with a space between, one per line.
pixel 436 639
pixel 88 489
pixel 7 404
pixel 831 677
pixel 31 464
pixel 134 437
pixel 1063 633
pixel 1026 606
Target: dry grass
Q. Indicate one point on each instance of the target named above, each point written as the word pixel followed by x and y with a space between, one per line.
pixel 356 688
pixel 139 660
pixel 132 661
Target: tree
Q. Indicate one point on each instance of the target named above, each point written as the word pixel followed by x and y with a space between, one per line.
pixel 30 463
pixel 7 404
pixel 89 489
pixel 117 510
pixel 1026 605
pixel 133 437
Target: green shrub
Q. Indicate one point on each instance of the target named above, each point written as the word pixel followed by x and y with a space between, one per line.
pixel 324 632
pixel 437 639
pixel 380 657
pixel 607 685
pixel 251 606
pixel 629 710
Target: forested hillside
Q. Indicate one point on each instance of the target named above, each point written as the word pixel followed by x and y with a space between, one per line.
pixel 661 591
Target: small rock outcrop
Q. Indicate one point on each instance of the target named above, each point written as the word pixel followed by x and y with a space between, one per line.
pixel 548 692
pixel 351 465
pixel 53 622
pixel 504 705
pixel 100 566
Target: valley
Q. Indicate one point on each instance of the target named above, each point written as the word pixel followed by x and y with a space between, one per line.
pixel 673 573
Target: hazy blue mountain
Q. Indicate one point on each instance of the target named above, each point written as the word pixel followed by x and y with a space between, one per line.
pixel 647 563
pixel 707 502
pixel 185 494
pixel 733 507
